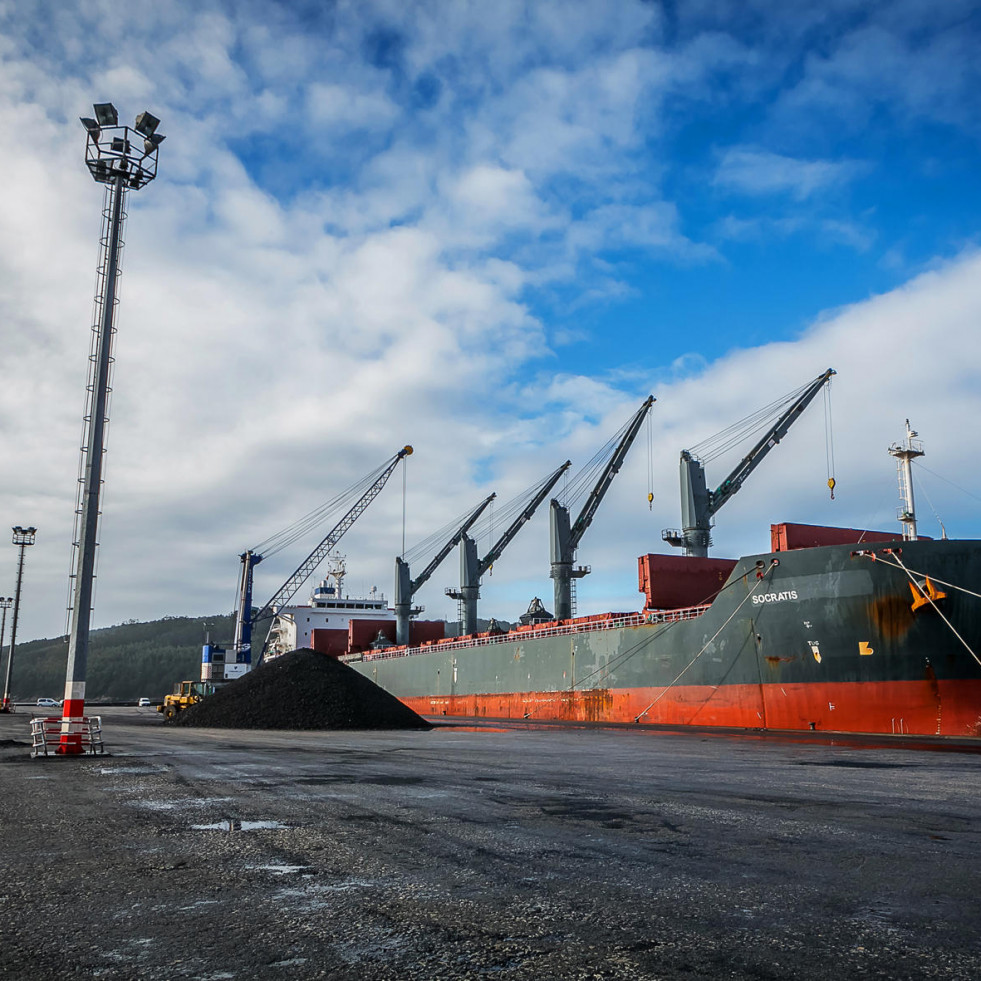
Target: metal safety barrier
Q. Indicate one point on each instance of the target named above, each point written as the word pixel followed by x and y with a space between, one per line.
pixel 84 733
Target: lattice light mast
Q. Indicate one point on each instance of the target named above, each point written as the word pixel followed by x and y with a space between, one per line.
pixel 6 602
pixel 123 158
pixel 23 537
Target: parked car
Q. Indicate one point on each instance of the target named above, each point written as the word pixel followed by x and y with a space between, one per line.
pixel 143 703
pixel 48 703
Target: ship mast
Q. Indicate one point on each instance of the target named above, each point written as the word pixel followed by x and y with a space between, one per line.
pixel 905 452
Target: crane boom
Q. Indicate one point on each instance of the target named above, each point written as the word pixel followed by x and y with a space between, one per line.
pixel 611 469
pixel 423 576
pixel 699 504
pixel 502 543
pixel 755 457
pixel 406 587
pixel 472 568
pixel 306 568
pixel 565 537
pixel 245 619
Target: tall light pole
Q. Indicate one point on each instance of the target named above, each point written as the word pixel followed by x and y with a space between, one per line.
pixel 22 538
pixel 6 602
pixel 123 158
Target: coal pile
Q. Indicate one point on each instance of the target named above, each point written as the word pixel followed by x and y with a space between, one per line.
pixel 301 690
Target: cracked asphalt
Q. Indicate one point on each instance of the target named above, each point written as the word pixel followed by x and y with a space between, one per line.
pixel 511 853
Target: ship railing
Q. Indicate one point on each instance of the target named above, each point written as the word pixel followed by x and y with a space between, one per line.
pixel 667 616
pixel 556 630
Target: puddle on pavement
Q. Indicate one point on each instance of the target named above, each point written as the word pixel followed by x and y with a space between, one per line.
pixel 278 869
pixel 171 805
pixel 347 885
pixel 142 770
pixel 234 824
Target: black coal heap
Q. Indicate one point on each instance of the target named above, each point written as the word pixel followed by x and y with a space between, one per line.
pixel 301 690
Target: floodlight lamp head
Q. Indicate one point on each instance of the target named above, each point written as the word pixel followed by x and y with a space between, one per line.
pixel 146 123
pixel 105 113
pixel 92 126
pixel 152 142
pixel 24 536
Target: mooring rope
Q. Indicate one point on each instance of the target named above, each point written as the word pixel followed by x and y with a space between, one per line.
pixel 911 576
pixel 618 660
pixel 759 583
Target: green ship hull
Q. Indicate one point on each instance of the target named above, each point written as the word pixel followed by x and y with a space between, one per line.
pixel 839 638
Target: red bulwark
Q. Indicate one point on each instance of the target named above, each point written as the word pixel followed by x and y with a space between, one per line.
pixel 363 633
pixel 671 582
pixel 788 536
pixel 895 707
pixel 423 631
pixel 333 642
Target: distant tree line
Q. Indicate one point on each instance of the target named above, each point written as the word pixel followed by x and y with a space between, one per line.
pixel 134 660
pixel 126 662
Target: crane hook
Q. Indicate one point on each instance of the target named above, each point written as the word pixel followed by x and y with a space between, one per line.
pixel 650 501
pixel 831 485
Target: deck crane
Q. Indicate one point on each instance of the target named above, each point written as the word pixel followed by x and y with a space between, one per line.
pixel 564 536
pixel 245 618
pixel 406 587
pixel 699 504
pixel 472 568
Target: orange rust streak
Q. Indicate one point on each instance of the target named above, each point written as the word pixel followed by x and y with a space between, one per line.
pixel 927 707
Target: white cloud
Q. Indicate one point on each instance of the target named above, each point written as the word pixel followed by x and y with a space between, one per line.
pixel 279 338
pixel 891 66
pixel 754 171
pixel 336 106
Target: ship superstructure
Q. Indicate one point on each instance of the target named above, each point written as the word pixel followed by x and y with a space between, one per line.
pixel 324 623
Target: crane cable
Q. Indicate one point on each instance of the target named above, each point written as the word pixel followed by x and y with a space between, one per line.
pixel 314 519
pixel 650 463
pixel 829 439
pixel 404 469
pixel 714 446
pixel 431 544
pixel 584 480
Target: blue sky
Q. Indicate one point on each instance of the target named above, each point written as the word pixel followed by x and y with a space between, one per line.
pixel 490 232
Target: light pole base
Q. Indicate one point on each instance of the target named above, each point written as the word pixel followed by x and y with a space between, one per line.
pixel 54 736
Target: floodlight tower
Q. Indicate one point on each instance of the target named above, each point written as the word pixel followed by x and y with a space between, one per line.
pixel 123 158
pixel 6 602
pixel 23 537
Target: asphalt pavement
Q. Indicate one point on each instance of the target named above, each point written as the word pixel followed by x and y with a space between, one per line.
pixel 511 853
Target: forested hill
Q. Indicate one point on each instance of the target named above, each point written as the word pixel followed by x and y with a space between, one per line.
pixel 126 662
pixel 132 660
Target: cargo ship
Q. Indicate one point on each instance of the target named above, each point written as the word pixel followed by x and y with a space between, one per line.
pixel 851 637
pixel 833 629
